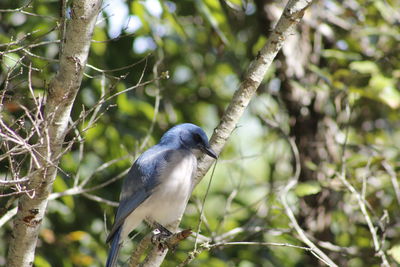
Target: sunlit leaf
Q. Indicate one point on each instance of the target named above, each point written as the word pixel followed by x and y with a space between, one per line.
pixel 99 47
pixel 339 54
pixel 326 76
pixel 139 10
pixel 386 90
pixel 125 104
pixel 172 18
pixel 10 60
pixel 214 14
pixel 77 235
pixel 385 9
pixel 82 259
pixel 368 67
pixel 259 44
pixel 237 3
pixel 41 262
pixel 61 186
pixel 307 188
pixel 395 253
pixel 311 165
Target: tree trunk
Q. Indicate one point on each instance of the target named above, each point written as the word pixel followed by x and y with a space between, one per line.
pixel 61 95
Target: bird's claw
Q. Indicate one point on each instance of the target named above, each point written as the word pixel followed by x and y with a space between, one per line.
pixel 162 229
pixel 159 239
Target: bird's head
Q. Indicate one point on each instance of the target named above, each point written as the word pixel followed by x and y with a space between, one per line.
pixel 189 136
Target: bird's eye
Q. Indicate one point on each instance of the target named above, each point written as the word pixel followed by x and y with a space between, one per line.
pixel 197 138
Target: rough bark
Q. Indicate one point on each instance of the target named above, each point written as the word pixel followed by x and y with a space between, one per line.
pixel 61 95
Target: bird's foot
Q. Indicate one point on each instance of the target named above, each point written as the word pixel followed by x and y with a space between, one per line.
pixel 162 229
pixel 160 238
pixel 164 239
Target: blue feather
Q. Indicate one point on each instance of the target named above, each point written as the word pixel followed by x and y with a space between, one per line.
pixel 115 246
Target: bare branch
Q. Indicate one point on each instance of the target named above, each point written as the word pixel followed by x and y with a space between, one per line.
pixel 120 68
pixel 13 182
pixel 100 199
pixel 290 185
pixel 19 193
pixel 393 179
pixel 360 199
pixel 8 216
pixel 207 246
pixel 21 10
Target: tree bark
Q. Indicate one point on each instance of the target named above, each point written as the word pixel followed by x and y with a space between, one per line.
pixel 61 95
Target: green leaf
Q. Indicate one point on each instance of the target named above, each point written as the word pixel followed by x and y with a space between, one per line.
pixel 213 13
pixel 386 10
pixel 145 107
pixel 41 262
pixel 323 74
pixel 139 10
pixel 366 67
pixel 395 253
pixel 99 35
pixel 94 132
pixel 308 188
pixel 60 186
pixel 386 90
pixel 259 44
pixel 171 17
pixel 10 60
pixel 338 54
pixel 125 104
pixel 311 165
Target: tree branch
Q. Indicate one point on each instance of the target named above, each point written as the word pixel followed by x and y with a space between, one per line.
pixel 61 95
pixel 291 16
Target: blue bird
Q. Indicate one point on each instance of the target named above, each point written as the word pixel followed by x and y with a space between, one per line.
pixel 158 186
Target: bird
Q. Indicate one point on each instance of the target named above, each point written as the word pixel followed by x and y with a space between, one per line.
pixel 159 184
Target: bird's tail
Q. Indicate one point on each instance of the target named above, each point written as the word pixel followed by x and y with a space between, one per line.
pixel 115 246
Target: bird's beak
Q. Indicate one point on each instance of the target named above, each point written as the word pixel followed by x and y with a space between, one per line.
pixel 209 152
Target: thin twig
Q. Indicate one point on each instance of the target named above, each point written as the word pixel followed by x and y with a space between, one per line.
pixel 203 205
pixel 361 201
pixel 222 244
pixel 13 182
pixel 206 246
pixel 290 185
pixel 120 68
pixel 101 200
pixel 156 104
pixel 6 217
pixel 393 179
pixel 19 193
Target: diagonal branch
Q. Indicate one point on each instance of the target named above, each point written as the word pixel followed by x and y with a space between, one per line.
pixel 286 25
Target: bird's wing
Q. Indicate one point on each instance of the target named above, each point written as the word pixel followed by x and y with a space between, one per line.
pixel 141 180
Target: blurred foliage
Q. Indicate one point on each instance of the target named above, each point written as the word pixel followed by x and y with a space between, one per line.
pixel 206 46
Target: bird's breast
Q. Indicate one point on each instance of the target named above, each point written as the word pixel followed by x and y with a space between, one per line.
pixel 176 181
